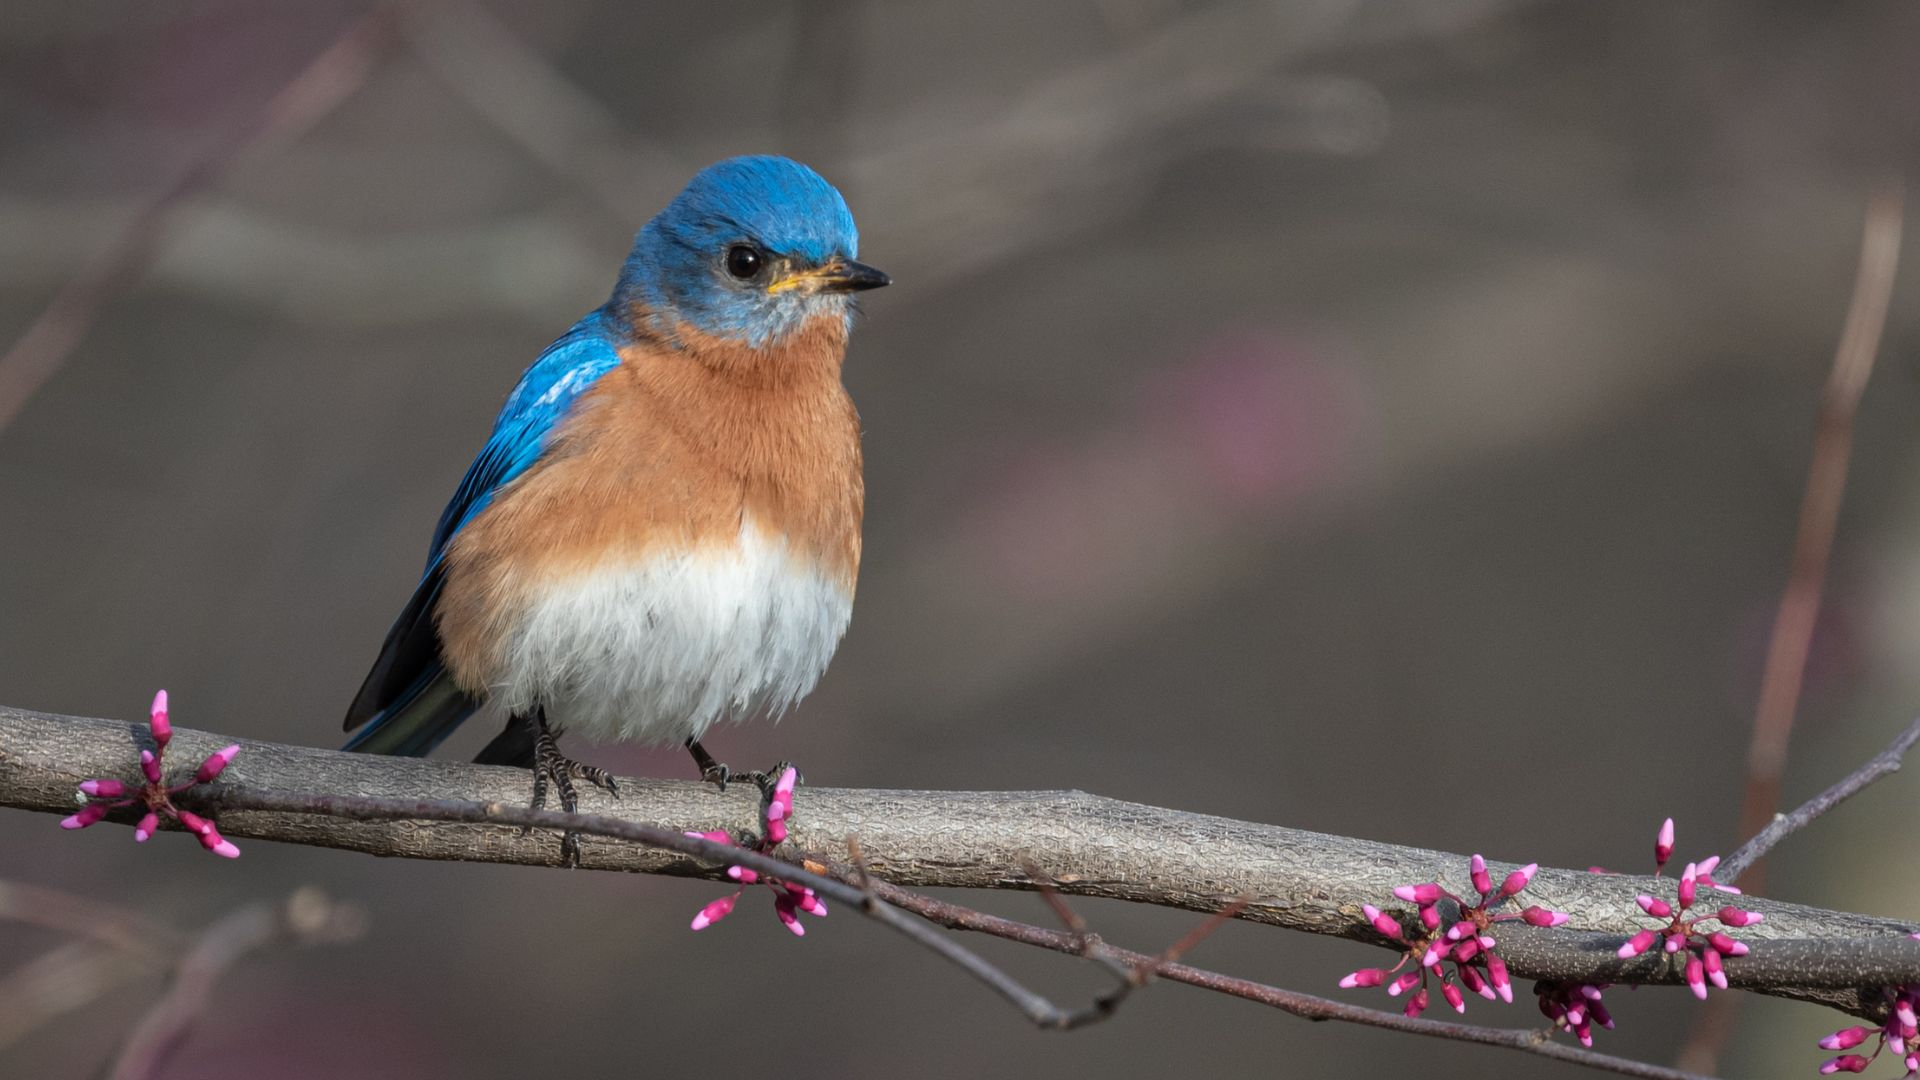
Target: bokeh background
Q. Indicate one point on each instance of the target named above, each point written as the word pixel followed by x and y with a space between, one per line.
pixel 1377 416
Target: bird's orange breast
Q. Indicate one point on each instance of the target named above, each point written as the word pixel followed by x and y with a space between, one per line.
pixel 671 452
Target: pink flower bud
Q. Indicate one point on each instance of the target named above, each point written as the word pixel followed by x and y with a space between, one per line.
pixel 1845 1039
pixel 1716 971
pixel 103 789
pixel 194 823
pixel 1663 845
pixel 1675 942
pixel 1417 1004
pixel 783 910
pixel 1726 944
pixel 1903 1011
pixel 780 806
pixel 215 764
pixel 1454 997
pixel 718 836
pixel 1430 917
pixel 1576 1014
pixel 157 721
pixel 1696 978
pixel 1463 928
pixel 1852 1063
pixel 1435 953
pixel 1659 909
pixel 1518 879
pixel 214 842
pixel 1363 977
pixel 1497 975
pixel 1466 950
pixel 1403 984
pixel 1482 881
pixel 714 912
pixel 1470 977
pixel 742 875
pixel 1423 894
pixel 1637 944
pixel 1733 916
pixel 1536 915
pixel 1689 879
pixel 1601 1014
pixel 1382 921
pixel 150 766
pixel 144 831
pixel 89 814
pixel 806 901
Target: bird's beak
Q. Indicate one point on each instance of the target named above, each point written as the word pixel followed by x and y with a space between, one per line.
pixel 836 275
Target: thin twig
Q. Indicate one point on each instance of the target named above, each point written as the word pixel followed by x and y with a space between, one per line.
pixel 51 338
pixel 1820 511
pixel 1799 612
pixel 306 917
pixel 891 913
pixel 1537 1041
pixel 1785 825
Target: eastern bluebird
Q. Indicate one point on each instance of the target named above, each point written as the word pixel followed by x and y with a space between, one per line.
pixel 664 528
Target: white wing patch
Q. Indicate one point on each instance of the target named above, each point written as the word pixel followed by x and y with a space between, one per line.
pixel 660 649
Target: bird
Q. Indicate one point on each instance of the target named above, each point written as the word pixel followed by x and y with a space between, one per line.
pixel 662 531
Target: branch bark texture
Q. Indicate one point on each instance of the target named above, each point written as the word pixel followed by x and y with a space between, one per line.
pixel 1084 844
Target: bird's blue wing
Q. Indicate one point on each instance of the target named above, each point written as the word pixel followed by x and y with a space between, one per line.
pixel 408 702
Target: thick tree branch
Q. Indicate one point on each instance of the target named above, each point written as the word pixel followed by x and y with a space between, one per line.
pixel 1089 845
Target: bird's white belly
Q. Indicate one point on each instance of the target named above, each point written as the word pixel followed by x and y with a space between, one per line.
pixel 660 648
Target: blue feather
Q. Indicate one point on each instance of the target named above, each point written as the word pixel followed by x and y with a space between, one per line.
pixel 408 702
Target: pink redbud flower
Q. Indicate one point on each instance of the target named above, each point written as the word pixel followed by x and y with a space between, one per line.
pixel 1454 997
pixel 1430 917
pixel 1423 894
pixel 1663 845
pixel 1366 977
pixel 150 766
pixel 1637 944
pixel 1715 968
pixel 219 845
pixel 1733 916
pixel 103 789
pixel 780 807
pixel 1497 975
pixel 1535 915
pixel 1382 921
pixel 1403 984
pixel 1688 879
pixel 1659 909
pixel 1482 881
pixel 147 827
pixel 783 907
pixel 1845 1038
pixel 714 912
pixel 1696 977
pixel 1852 1063
pixel 89 814
pixel 194 823
pixel 1417 1004
pixel 215 764
pixel 158 723
pixel 1726 944
pixel 1470 977
pixel 1518 880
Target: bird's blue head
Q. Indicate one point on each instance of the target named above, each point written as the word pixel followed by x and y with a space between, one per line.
pixel 751 250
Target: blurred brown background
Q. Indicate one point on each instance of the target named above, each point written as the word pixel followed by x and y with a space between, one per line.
pixel 1378 416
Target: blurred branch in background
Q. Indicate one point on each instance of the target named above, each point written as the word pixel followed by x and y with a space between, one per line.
pixel 333 75
pixel 1086 845
pixel 1792 638
pixel 126 945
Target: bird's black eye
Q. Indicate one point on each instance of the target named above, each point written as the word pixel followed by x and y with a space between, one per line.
pixel 744 261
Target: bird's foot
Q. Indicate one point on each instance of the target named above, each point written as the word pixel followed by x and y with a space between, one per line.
pixel 711 771
pixel 550 766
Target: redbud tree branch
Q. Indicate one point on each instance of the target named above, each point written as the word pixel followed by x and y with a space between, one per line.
pixel 1083 844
